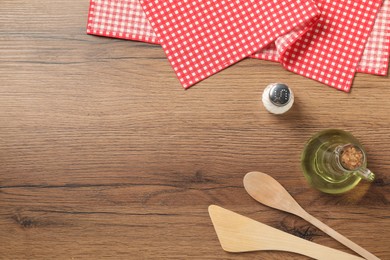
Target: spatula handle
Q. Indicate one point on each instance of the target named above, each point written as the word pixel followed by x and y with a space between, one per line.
pixel 342 239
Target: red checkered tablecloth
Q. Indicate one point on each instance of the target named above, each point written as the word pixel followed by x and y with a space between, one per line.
pixel 305 45
pixel 375 58
pixel 124 19
pixel 201 38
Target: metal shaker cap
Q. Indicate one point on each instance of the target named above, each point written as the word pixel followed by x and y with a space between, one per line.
pixel 279 94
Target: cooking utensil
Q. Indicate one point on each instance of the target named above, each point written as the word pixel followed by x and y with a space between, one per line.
pixel 237 233
pixel 270 192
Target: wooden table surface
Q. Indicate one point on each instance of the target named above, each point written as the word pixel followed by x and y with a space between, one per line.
pixel 104 155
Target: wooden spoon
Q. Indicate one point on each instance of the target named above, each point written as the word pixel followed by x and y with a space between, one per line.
pixel 270 192
pixel 237 233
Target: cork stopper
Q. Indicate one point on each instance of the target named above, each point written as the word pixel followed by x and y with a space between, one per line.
pixel 351 157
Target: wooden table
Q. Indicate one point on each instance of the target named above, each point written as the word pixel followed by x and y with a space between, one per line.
pixel 104 155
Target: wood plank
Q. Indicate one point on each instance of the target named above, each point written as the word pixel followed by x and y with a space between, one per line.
pixel 103 154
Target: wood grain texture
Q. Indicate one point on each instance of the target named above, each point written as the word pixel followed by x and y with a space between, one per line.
pixel 104 155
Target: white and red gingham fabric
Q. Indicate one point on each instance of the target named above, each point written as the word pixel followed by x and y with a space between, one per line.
pixel 375 59
pixel 126 19
pixel 201 38
pixel 330 51
pixel 122 19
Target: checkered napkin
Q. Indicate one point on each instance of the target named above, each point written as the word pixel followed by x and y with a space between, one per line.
pixel 123 19
pixel 201 38
pixel 126 19
pixel 330 51
pixel 375 58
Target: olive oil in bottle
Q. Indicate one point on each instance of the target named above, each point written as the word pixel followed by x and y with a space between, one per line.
pixel 333 161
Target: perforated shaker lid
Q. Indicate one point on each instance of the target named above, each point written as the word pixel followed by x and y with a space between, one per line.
pixel 280 94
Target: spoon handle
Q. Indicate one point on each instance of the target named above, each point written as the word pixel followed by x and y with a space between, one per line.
pixel 342 239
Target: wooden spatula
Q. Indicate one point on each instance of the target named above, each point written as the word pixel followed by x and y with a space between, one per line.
pixel 237 233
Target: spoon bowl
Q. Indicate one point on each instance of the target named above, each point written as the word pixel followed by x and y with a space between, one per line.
pixel 271 193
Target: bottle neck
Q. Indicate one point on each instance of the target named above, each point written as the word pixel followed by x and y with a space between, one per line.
pixel 351 159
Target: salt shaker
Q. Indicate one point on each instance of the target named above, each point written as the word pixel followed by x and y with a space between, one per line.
pixel 278 98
